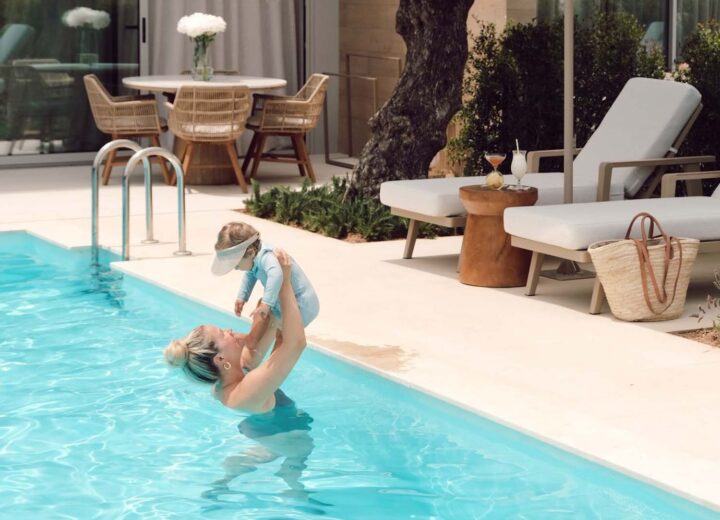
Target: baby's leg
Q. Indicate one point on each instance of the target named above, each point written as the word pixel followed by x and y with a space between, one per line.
pixel 252 358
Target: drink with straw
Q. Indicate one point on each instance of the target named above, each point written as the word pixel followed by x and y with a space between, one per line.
pixel 518 167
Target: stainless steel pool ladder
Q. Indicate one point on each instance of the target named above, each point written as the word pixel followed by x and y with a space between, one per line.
pixel 139 154
pixel 143 155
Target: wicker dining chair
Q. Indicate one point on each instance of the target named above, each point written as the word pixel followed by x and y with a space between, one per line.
pixel 210 114
pixel 290 116
pixel 125 117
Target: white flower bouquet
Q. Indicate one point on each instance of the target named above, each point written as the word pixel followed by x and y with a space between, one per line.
pixel 201 28
pixel 86 17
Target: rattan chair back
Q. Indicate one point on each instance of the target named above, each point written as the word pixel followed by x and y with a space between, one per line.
pixel 209 113
pixel 121 115
pixel 298 114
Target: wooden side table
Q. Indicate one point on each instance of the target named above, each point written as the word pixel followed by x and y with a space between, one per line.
pixel 487 259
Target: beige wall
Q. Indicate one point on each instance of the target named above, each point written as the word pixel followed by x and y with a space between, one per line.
pixel 367 27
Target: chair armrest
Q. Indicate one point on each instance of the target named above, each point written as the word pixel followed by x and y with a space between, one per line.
pixel 533 157
pixel 143 97
pixel 271 96
pixel 287 114
pixel 670 180
pixel 133 117
pixel 259 101
pixel 606 168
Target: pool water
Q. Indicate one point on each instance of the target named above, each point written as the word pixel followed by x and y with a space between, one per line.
pixel 93 425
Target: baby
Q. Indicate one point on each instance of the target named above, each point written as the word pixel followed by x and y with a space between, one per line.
pixel 239 247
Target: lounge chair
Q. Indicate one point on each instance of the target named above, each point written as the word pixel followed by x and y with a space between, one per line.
pixel 566 230
pixel 634 143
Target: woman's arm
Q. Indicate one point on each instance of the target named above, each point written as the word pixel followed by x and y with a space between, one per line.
pixel 256 391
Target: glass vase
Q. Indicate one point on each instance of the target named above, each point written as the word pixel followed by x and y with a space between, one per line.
pixel 201 69
pixel 88 46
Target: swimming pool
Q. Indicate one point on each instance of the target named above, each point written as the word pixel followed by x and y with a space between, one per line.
pixel 92 425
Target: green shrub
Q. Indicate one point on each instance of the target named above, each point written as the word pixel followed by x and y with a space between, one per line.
pixel 701 52
pixel 326 210
pixel 514 83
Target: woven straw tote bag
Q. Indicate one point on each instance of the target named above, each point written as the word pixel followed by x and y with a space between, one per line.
pixel 646 278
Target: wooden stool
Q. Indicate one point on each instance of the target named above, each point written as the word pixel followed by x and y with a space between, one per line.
pixel 487 259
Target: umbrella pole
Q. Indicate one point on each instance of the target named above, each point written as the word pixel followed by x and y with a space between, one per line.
pixel 568 94
pixel 568 270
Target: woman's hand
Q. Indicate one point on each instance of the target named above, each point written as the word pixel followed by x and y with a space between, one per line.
pixel 285 261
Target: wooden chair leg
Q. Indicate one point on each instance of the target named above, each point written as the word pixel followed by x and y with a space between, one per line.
pixel 187 158
pixel 108 166
pixel 250 152
pixel 155 139
pixel 232 152
pixel 534 273
pixel 182 152
pixel 413 228
pixel 598 297
pixel 258 154
pixel 298 157
pixel 306 158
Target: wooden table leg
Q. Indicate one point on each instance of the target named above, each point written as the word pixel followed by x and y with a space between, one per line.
pixel 209 164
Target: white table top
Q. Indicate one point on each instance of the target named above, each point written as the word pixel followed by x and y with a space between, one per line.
pixel 174 82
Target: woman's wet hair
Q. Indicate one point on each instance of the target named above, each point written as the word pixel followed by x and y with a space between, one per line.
pixel 195 354
pixel 234 233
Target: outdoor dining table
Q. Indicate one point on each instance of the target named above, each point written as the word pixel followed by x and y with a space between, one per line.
pixel 210 163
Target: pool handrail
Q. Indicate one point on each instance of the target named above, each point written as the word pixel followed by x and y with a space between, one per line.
pixel 142 155
pixel 95 187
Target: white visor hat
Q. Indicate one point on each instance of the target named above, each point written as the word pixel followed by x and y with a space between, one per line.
pixel 226 259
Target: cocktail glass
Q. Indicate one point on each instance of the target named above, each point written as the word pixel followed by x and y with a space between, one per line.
pixel 495 159
pixel 518 167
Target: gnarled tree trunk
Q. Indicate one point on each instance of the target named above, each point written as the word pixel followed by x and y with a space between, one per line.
pixel 410 128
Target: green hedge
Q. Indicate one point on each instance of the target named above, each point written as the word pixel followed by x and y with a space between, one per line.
pixel 514 83
pixel 701 53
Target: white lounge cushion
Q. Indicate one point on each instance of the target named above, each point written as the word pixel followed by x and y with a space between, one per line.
pixel 435 197
pixel 576 226
pixel 642 123
pixel 440 197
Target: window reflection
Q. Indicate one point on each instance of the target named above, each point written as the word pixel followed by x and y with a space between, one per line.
pixel 652 15
pixel 45 50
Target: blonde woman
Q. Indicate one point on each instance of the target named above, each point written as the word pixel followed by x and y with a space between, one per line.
pixel 238 247
pixel 213 355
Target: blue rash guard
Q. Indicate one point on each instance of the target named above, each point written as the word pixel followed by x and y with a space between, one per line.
pixel 266 268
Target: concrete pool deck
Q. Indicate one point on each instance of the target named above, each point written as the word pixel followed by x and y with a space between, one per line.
pixel 628 395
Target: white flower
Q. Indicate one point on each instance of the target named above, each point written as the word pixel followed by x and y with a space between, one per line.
pixel 201 24
pixel 85 16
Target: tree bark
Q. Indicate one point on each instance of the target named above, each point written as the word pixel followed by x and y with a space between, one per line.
pixel 411 126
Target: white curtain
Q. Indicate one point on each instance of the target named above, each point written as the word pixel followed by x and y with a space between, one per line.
pixel 260 39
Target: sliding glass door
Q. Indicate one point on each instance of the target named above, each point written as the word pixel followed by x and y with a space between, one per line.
pixel 45 50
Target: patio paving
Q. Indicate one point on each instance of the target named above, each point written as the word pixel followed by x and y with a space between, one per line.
pixel 628 395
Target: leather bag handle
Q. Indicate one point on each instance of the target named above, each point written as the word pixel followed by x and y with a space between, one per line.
pixel 646 270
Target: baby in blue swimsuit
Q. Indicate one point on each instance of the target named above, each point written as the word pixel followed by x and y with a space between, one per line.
pixel 238 246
